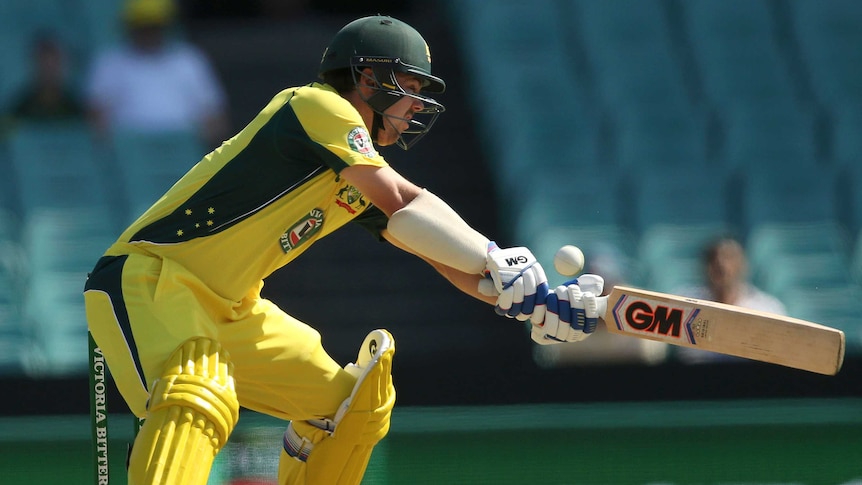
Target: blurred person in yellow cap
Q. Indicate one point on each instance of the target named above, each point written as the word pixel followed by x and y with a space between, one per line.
pixel 155 81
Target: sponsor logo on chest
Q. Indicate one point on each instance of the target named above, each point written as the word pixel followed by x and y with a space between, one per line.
pixel 303 230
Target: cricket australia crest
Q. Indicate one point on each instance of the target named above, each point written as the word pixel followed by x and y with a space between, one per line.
pixel 302 230
pixel 350 199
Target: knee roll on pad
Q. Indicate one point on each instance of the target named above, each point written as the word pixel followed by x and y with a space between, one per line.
pixel 193 410
pixel 338 451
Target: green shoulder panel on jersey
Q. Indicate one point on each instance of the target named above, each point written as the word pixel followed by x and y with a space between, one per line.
pixel 276 159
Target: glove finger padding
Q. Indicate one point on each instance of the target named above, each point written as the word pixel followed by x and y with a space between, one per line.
pixel 549 323
pixel 546 333
pixel 570 316
pixel 519 279
pixel 535 293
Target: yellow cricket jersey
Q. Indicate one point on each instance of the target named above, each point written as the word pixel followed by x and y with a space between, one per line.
pixel 263 197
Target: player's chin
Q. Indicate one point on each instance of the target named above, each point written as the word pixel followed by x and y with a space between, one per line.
pixel 389 138
pixel 387 141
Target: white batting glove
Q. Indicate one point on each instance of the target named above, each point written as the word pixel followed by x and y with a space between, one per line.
pixel 572 312
pixel 520 282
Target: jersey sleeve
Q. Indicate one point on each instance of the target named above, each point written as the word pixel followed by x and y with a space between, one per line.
pixel 374 221
pixel 333 123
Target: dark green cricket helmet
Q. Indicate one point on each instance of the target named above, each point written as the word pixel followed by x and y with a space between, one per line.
pixel 387 46
pixel 369 41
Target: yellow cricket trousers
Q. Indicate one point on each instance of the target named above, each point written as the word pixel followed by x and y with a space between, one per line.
pixel 140 308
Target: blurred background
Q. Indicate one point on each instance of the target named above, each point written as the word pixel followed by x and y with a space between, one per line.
pixel 639 130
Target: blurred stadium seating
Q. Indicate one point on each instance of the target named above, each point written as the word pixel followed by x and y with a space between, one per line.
pixel 647 125
pixel 710 117
pixel 65 196
pixel 148 165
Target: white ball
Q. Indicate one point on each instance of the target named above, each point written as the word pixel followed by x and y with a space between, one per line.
pixel 569 260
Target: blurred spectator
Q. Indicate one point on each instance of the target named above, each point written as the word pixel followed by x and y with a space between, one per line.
pixel 607 261
pixel 47 96
pixel 726 276
pixel 155 81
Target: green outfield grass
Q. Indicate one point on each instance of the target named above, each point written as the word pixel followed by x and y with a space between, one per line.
pixel 765 442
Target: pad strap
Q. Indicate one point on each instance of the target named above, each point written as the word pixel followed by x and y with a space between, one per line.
pixel 296 446
pixel 299 447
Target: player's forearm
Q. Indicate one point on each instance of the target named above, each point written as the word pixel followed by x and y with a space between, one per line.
pixel 466 282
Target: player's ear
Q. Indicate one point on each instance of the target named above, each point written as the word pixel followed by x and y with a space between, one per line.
pixel 366 78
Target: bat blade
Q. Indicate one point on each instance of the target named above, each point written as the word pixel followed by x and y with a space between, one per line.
pixel 725 329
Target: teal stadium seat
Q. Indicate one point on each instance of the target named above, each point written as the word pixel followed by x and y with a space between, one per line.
pixel 9 222
pixel 150 163
pixel 101 19
pixel 735 50
pixel 13 350
pixel 67 221
pixel 510 28
pixel 57 240
pixel 672 254
pixel 845 143
pixel 683 196
pixel 57 166
pixel 534 134
pixel 597 198
pixel 778 138
pixel 55 322
pixel 849 194
pixel 631 54
pixel 647 139
pixel 812 272
pixel 835 307
pixel 21 21
pixel 661 242
pixel 788 196
pixel 640 82
pixel 829 36
pixel 674 275
pixel 768 243
pixel 14 57
pixel 513 55
pixel 856 257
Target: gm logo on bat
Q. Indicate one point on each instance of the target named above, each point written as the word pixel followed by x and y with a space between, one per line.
pixel 655 319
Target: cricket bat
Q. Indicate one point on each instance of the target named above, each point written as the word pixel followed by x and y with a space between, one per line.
pixel 712 326
pixel 726 329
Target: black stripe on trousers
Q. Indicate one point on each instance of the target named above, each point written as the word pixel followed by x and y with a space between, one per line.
pixel 107 276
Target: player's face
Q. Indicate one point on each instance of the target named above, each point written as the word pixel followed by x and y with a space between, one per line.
pixel 727 268
pixel 396 118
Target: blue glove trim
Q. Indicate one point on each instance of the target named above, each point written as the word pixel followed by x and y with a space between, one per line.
pixel 579 316
pixel 530 301
pixel 515 310
pixel 590 325
pixel 553 303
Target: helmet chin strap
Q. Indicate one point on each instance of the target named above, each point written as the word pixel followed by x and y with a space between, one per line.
pixel 376 125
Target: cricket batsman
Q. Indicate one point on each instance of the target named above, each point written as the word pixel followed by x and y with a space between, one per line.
pixel 175 303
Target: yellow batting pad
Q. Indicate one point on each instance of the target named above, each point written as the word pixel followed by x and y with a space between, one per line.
pixel 193 409
pixel 364 416
pixel 362 421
